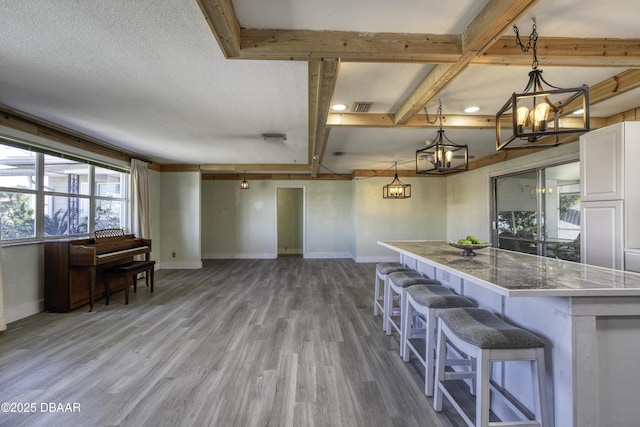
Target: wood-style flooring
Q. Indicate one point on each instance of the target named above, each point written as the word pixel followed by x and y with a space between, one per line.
pixel 286 342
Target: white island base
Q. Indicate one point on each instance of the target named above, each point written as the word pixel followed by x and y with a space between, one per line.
pixel 588 316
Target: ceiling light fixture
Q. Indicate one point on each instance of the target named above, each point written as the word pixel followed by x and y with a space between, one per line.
pixel 473 109
pixel 244 185
pixel 438 157
pixel 537 111
pixel 396 189
pixel 339 107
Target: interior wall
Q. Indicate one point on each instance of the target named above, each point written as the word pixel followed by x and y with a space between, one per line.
pixel 423 216
pixel 23 280
pixel 468 199
pixel 180 223
pixel 290 211
pixel 242 223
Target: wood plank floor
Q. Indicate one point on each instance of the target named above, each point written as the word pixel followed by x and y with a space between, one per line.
pixel 286 342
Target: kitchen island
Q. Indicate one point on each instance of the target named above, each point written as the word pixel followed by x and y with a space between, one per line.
pixel 588 316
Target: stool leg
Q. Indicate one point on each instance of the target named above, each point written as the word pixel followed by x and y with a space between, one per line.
pixel 387 307
pixel 151 271
pixel 376 296
pixel 539 373
pixel 407 312
pixel 441 357
pixel 483 400
pixel 126 292
pixel 429 370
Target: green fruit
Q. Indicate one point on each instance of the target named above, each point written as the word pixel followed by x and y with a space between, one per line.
pixel 474 241
pixel 464 242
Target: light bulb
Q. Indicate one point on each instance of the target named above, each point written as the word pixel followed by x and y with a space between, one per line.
pixel 540 117
pixel 522 114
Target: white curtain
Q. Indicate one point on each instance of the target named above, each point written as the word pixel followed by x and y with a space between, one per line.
pixel 140 207
pixel 3 325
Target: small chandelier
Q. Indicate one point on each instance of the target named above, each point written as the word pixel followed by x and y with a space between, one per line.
pixel 396 189
pixel 537 112
pixel 438 157
pixel 244 185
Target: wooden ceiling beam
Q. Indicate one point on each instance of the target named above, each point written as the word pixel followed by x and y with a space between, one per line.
pixel 305 45
pixel 486 29
pixel 569 52
pixel 322 93
pixel 221 18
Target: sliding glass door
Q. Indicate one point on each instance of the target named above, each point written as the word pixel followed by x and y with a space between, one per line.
pixel 538 211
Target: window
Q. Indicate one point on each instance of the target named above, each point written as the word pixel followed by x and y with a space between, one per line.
pixel 538 211
pixel 45 195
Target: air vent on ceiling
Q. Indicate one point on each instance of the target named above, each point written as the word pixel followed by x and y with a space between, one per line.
pixel 361 107
pixel 277 137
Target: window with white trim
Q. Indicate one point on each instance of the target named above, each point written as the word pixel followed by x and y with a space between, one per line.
pixel 45 195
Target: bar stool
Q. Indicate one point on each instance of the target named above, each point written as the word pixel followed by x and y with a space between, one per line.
pixel 382 269
pixel 483 336
pixel 395 290
pixel 426 302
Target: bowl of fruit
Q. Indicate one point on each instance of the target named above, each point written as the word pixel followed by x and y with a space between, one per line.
pixel 468 245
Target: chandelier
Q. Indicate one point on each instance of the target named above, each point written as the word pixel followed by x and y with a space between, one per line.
pixel 541 111
pixel 396 189
pixel 438 157
pixel 244 185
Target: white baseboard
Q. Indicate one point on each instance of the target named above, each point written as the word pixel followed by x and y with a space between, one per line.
pixel 185 265
pixel 240 256
pixel 25 310
pixel 328 255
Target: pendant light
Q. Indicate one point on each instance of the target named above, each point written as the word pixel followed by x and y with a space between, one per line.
pixel 244 185
pixel 542 111
pixel 396 189
pixel 438 157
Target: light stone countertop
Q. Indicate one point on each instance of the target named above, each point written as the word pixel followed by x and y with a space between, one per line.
pixel 516 274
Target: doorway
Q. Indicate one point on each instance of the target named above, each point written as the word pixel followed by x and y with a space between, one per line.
pixel 290 221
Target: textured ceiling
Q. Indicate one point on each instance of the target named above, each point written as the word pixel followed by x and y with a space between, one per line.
pixel 149 77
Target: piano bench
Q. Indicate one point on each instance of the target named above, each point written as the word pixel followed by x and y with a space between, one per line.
pixel 129 271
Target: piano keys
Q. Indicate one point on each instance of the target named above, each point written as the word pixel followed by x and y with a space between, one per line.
pixel 74 267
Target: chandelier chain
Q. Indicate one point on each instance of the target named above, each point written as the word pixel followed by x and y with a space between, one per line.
pixel 438 114
pixel 533 42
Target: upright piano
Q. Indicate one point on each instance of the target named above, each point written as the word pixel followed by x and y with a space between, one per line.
pixel 73 268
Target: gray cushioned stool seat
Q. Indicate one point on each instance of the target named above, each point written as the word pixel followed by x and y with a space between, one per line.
pixel 390 267
pixel 437 297
pixel 404 279
pixel 485 330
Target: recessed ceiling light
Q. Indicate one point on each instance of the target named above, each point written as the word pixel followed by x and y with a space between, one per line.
pixel 580 111
pixel 339 107
pixel 472 109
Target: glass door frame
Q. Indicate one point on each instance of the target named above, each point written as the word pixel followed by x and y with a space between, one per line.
pixel 541 239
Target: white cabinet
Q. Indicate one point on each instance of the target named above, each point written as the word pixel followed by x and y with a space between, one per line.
pixel 601 234
pixel 610 194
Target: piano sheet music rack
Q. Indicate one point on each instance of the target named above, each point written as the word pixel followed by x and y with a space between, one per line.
pixel 74 267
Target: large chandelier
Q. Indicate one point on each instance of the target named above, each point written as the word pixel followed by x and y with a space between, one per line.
pixel 538 111
pixel 441 156
pixel 396 189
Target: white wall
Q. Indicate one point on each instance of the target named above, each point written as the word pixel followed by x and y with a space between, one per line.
pixel 421 217
pixel 23 280
pixel 242 223
pixel 180 220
